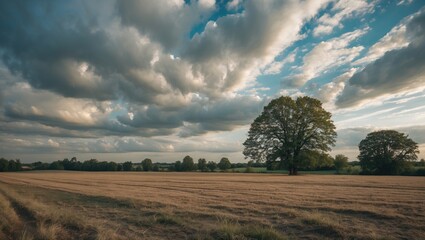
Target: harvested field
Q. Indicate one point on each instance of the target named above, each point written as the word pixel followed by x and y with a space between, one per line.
pixel 139 205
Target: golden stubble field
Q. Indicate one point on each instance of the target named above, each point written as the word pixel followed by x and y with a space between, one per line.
pixel 146 205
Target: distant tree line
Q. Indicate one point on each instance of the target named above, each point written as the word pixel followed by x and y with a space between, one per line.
pixel 381 153
pixel 186 165
pixel 10 165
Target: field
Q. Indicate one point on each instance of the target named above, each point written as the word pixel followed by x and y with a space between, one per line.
pixel 139 205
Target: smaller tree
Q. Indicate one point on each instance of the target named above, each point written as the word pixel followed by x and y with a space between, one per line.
pixel 387 152
pixel 155 167
pixel 12 166
pixel 56 165
pixel 147 165
pixel 4 165
pixel 127 166
pixel 119 167
pixel 178 166
pixel 212 166
pixel 224 164
pixel 202 165
pixel 340 162
pixel 188 164
pixel 112 166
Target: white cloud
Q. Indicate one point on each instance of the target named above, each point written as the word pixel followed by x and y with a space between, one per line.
pixel 276 67
pixel 395 39
pixel 404 2
pixel 233 4
pixel 326 55
pixel 328 92
pixel 341 10
pixel 207 3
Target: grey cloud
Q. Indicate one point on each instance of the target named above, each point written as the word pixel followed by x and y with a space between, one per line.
pixel 38 129
pixel 12 144
pixel 83 50
pixel 351 137
pixel 167 22
pixel 396 71
pixel 25 144
pixel 152 117
pixel 76 56
pixel 416 133
pixel 128 144
pixel 44 50
pixel 198 117
pixel 222 116
pixel 55 126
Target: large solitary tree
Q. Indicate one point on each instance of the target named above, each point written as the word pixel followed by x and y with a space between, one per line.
pixel 286 128
pixel 387 152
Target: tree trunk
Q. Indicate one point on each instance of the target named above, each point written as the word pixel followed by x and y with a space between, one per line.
pixel 293 171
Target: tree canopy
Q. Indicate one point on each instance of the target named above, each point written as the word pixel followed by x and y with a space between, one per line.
pixel 188 164
pixel 340 162
pixel 202 165
pixel 147 164
pixel 386 152
pixel 224 164
pixel 211 166
pixel 286 128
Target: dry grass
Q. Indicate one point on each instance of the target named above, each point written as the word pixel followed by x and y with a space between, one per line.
pixel 210 206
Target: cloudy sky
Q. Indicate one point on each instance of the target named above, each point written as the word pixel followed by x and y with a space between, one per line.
pixel 125 80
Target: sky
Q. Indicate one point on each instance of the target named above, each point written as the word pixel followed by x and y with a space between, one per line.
pixel 128 80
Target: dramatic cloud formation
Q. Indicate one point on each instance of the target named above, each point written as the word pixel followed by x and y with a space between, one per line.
pixel 397 70
pixel 178 76
pixel 326 55
pixel 340 11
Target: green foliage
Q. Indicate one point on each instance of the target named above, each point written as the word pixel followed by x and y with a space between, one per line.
pixel 155 167
pixel 202 165
pixel 212 166
pixel 387 152
pixel 340 162
pixel 90 165
pixel 188 164
pixel 4 165
pixel 314 160
pixel 56 165
pixel 286 128
pixel 178 166
pixel 127 166
pixel 10 165
pixel 224 164
pixel 420 172
pixel 147 164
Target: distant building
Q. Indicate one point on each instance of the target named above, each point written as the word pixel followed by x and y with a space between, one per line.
pixel 26 168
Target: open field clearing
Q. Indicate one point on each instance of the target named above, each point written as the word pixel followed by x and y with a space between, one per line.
pixel 139 205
